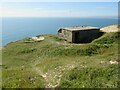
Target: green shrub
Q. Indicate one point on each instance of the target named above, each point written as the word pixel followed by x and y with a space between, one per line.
pixel 21 79
pixel 108 38
pixel 58 38
pixel 92 50
pixel 54 50
pixel 90 78
pixel 26 50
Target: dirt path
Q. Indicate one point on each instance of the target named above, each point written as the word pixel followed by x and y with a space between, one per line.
pixel 53 77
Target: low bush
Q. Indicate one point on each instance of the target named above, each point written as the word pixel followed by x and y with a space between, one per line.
pixel 90 78
pixel 108 38
pixel 26 50
pixel 21 79
pixel 57 38
pixel 51 50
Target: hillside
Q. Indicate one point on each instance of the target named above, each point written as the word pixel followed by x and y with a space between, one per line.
pixel 54 63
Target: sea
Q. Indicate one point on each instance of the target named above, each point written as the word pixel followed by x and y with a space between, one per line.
pixel 17 28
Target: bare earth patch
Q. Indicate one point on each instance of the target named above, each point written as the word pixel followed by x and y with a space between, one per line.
pixel 53 77
pixel 111 28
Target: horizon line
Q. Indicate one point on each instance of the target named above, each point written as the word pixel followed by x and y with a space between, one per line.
pixel 59 17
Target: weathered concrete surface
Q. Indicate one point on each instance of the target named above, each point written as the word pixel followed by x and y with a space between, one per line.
pixel 82 34
pixel 37 38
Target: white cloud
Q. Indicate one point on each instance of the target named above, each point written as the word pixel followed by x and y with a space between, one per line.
pixel 37 12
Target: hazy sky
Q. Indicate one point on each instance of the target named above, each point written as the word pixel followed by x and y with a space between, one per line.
pixel 60 0
pixel 59 9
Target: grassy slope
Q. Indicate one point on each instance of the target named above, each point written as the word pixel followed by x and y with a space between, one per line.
pixel 52 63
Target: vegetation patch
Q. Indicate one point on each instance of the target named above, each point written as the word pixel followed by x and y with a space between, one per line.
pixel 108 38
pixel 91 78
pixel 21 79
pixel 48 64
pixel 26 50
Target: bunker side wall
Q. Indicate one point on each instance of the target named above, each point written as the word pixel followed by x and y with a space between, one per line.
pixel 85 36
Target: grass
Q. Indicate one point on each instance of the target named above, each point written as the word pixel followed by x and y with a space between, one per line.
pixel 108 38
pixel 90 78
pixel 21 78
pixel 58 65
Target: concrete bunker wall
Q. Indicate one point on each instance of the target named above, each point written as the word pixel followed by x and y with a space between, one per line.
pixel 66 34
pixel 85 36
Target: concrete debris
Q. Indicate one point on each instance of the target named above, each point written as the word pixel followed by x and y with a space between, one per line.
pixel 38 38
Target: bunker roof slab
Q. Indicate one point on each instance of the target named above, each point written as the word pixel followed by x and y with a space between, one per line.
pixel 77 28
